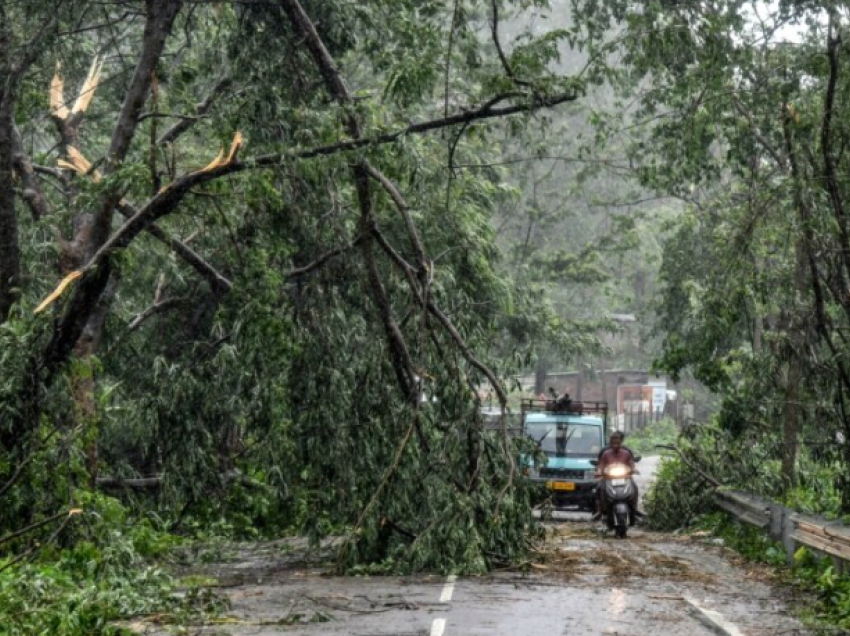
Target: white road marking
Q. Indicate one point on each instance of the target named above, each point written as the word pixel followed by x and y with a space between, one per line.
pixel 439 624
pixel 714 619
pixel 438 627
pixel 448 589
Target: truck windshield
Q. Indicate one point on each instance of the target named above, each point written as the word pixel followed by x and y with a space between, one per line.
pixel 563 439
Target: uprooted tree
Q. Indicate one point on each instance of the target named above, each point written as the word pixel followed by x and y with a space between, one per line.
pixel 240 272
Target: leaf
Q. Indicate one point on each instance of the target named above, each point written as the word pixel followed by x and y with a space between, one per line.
pixel 58 291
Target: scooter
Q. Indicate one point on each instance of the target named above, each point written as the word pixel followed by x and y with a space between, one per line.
pixel 619 492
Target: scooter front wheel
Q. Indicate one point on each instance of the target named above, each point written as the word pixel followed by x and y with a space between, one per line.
pixel 621 528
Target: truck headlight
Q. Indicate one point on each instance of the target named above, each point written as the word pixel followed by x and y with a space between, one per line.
pixel 590 474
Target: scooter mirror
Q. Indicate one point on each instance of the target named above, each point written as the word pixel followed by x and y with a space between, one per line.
pixel 637 458
pixel 594 462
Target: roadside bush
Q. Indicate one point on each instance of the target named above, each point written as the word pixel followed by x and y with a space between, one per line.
pixel 676 497
pixel 745 539
pixel 831 585
pixel 644 441
pixel 83 590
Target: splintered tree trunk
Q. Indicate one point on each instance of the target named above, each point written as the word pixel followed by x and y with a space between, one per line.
pixel 91 230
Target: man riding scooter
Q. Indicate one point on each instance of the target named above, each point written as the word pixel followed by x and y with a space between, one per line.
pixel 616 455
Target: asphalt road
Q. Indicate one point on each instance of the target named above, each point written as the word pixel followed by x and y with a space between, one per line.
pixel 582 582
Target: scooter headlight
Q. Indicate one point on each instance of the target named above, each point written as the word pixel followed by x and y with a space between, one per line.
pixel 618 470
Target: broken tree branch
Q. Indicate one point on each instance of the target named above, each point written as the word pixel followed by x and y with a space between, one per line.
pixel 690 464
pixel 494 30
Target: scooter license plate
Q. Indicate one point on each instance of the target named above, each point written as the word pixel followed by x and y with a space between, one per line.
pixel 561 485
pixel 618 482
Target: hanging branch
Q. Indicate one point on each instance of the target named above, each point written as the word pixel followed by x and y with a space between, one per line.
pixel 404 211
pixel 167 200
pixel 494 30
pixel 171 135
pixel 323 259
pixel 32 527
pixel 399 353
pixel 216 280
pixel 157 308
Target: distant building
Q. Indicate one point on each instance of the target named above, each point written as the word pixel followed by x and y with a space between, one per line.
pixel 634 397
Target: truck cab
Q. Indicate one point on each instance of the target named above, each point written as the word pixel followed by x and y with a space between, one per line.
pixel 569 435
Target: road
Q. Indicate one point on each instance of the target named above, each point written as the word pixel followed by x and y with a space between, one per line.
pixel 584 582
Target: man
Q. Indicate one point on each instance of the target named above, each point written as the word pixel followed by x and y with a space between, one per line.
pixel 615 453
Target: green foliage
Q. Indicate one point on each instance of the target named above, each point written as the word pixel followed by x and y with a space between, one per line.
pixel 103 578
pixel 747 540
pixel 676 497
pixel 812 574
pixel 644 441
pixel 832 585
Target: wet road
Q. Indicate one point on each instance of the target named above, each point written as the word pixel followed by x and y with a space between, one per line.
pixel 582 582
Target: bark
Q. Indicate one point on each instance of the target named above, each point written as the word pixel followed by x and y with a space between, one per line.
pixel 790 424
pixel 541 371
pixel 31 191
pixel 831 181
pixel 10 255
pixel 798 339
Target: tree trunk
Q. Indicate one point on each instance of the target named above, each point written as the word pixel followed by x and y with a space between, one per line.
pixel 579 382
pixel 794 376
pixel 540 373
pixel 10 255
pixel 790 425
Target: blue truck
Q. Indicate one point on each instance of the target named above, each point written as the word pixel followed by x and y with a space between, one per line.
pixel 568 435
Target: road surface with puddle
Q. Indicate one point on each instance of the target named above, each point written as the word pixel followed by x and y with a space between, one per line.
pixel 584 582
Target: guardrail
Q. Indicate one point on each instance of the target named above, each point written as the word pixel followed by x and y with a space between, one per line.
pixel 790 528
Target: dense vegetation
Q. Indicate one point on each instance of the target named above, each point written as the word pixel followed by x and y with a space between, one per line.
pixel 260 262
pixel 744 109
